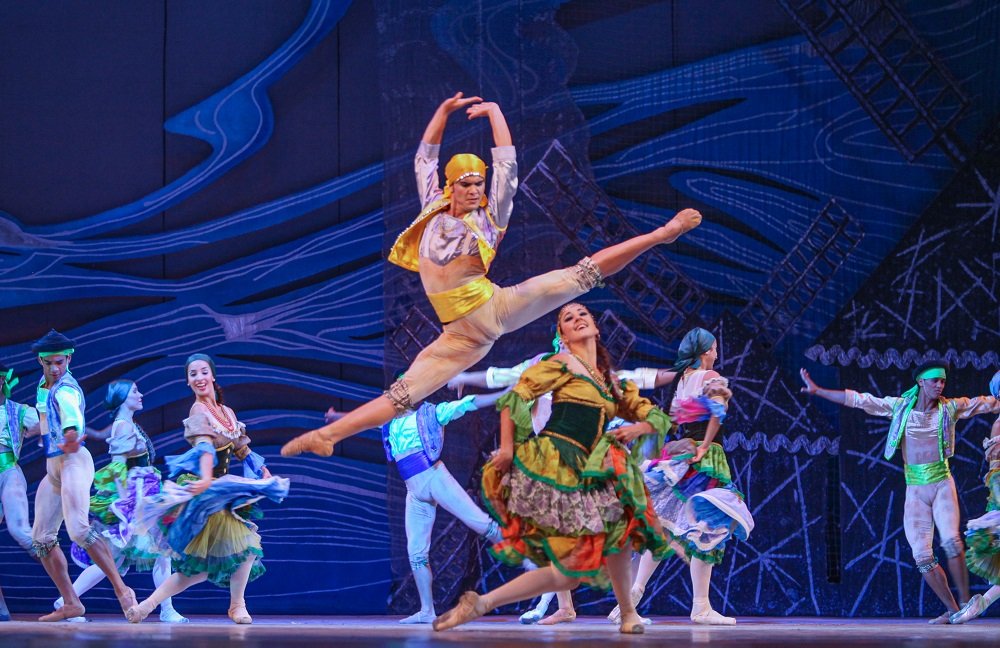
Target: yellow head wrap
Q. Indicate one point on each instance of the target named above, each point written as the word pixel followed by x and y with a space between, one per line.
pixel 461 166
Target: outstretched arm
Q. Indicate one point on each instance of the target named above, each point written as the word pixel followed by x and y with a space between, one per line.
pixel 488 400
pixel 103 433
pixel 435 127
pixel 501 132
pixel 833 395
pixel 468 379
pixel 648 378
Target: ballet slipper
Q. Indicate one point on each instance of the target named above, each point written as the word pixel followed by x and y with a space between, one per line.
pixel 708 616
pixel 975 606
pixel 418 617
pixel 127 599
pixel 137 613
pixel 309 442
pixel 64 613
pixel 632 624
pixel 470 607
pixel 941 620
pixel 683 222
pixel 172 616
pixel 615 616
pixel 238 613
pixel 559 616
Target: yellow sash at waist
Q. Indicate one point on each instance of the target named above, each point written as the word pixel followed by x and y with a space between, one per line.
pixel 456 303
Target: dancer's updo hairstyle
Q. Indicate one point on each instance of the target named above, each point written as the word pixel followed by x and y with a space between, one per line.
pixel 211 365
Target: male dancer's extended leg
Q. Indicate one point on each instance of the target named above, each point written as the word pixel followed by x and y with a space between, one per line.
pixel 467 340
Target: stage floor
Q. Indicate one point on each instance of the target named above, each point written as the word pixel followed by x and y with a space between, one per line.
pixel 277 632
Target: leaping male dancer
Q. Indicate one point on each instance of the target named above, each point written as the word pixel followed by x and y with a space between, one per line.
pixel 923 423
pixel 452 244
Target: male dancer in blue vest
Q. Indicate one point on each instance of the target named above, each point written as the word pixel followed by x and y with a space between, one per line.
pixel 64 492
pixel 923 423
pixel 413 441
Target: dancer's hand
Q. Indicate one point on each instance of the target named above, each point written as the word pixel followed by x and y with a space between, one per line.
pixel 501 461
pixel 993 454
pixel 457 384
pixel 482 109
pixel 200 486
pixel 457 102
pixel 699 454
pixel 629 433
pixel 72 442
pixel 265 473
pixel 811 387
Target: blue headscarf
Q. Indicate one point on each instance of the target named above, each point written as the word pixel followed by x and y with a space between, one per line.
pixel 118 391
pixel 995 385
pixel 696 342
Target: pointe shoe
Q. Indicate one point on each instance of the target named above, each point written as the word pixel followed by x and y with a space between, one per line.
pixel 127 599
pixel 708 616
pixel 64 613
pixel 470 607
pixel 238 613
pixel 944 619
pixel 308 442
pixel 137 613
pixel 973 608
pixel 559 616
pixel 683 222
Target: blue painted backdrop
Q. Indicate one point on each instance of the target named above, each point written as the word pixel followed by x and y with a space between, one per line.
pixel 180 177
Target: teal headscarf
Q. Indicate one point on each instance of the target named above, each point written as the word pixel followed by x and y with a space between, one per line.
pixel 696 342
pixel 897 428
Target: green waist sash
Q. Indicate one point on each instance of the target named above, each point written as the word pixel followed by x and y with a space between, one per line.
pixel 7 461
pixel 928 473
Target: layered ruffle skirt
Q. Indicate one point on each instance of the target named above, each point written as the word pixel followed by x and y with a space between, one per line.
pixel 982 535
pixel 560 505
pixel 212 532
pixel 119 491
pixel 697 504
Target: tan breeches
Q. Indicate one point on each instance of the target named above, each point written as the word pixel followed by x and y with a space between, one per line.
pixel 466 341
